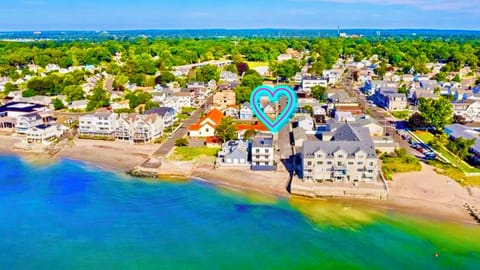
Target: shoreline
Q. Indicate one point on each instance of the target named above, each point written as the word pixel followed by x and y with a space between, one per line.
pixel 436 197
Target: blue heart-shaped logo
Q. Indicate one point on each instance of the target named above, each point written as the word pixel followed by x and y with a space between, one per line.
pixel 273 94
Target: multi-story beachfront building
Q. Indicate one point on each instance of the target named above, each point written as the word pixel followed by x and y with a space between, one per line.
pixel 346 154
pixel 262 152
pixel 100 123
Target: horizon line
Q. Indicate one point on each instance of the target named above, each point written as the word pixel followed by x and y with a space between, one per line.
pixel 245 28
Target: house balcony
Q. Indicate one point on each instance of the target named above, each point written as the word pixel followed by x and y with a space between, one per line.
pixel 339 172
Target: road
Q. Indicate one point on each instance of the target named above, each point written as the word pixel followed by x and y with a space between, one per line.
pixel 283 142
pixel 378 114
pixel 168 145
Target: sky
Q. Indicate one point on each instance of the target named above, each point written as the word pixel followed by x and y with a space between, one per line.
pixel 240 14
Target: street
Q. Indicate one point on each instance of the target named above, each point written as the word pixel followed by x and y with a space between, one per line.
pixel 168 145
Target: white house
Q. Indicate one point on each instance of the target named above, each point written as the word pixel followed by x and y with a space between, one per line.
pixel 205 127
pixel 228 76
pixel 44 133
pixel 344 116
pixel 78 105
pixel 246 111
pixel 306 122
pixel 27 121
pixel 233 154
pixel 97 124
pixel 310 81
pixel 469 109
pixel 147 127
pixel 262 152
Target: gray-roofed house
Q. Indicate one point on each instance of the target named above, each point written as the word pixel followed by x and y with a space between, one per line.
pixel 390 99
pixel 456 131
pixel 167 113
pixel 233 154
pixel 348 155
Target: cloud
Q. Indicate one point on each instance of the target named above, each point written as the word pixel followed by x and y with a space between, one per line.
pixel 440 5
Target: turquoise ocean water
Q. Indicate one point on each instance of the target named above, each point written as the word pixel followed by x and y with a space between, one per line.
pixel 71 216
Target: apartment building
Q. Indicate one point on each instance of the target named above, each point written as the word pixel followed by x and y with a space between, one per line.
pixel 101 123
pixel 346 154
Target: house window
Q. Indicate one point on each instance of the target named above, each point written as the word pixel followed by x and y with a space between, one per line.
pixel 340 156
pixel 319 156
pixel 309 163
pixel 266 150
pixel 257 150
pixel 320 162
pixel 350 163
pixel 329 163
pixel 360 163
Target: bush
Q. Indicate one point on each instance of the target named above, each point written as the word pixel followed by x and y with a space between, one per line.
pixel 181 142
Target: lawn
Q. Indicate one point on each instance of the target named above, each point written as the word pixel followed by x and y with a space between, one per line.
pixel 187 153
pixel 399 163
pixel 252 64
pixel 454 173
pixel 427 137
pixel 403 115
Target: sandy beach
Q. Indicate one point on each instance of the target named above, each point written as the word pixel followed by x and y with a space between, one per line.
pixel 118 156
pixel 431 194
pixel 275 183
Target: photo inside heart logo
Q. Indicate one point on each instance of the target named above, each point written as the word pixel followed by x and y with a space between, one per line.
pixel 274 95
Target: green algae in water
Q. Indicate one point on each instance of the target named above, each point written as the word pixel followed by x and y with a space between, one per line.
pixel 68 217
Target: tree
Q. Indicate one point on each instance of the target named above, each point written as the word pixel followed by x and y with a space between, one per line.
pixel 436 112
pixel 232 68
pixel 58 104
pixel 9 87
pixel 165 77
pixel 249 133
pixel 308 108
pixel 252 80
pixel 73 92
pixel 457 78
pixel 441 76
pixel 403 89
pixel 318 92
pixel 242 68
pixel 207 73
pixel 226 129
pixel 416 121
pixel 242 93
pixel 98 99
pixel 181 142
pixel 461 147
pixel 286 69
pixel 440 140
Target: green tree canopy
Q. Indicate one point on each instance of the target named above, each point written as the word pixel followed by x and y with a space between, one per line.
pixel 319 92
pixel 436 112
pixel 226 129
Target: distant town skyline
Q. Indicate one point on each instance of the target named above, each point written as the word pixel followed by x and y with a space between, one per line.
pixel 247 14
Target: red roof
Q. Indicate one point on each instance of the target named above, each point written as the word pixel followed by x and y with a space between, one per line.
pixel 259 126
pixel 213 139
pixel 214 115
pixel 198 126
